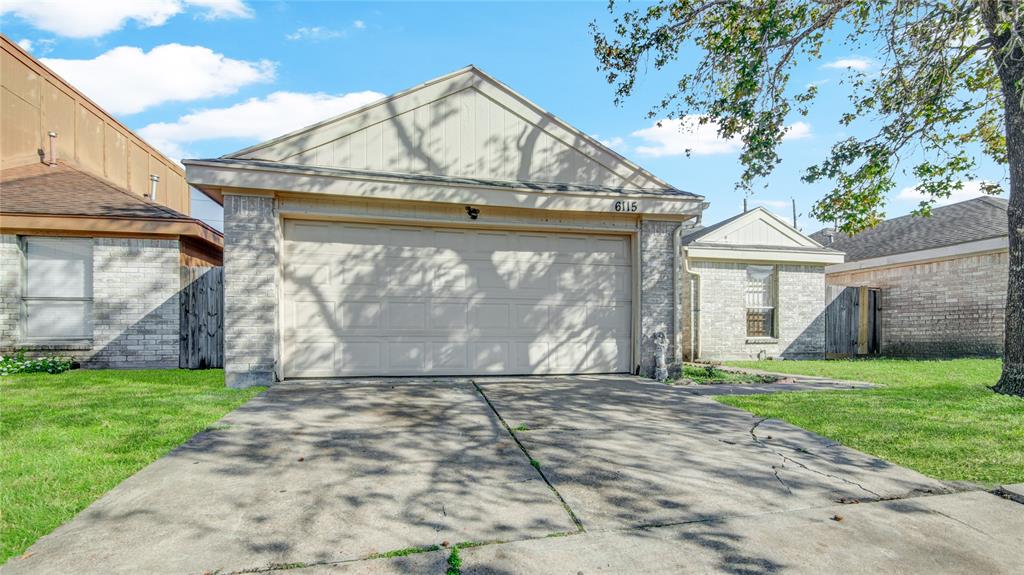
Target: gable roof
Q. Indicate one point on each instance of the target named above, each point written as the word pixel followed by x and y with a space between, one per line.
pixel 971 220
pixel 756 227
pixel 464 124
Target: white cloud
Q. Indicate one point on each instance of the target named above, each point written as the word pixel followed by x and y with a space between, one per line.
pixel 314 33
pixel 85 19
pixel 680 136
pixel 255 119
pixel 218 9
pixel 359 24
pixel 853 62
pixel 25 44
pixel 797 131
pixel 126 80
pixel 970 189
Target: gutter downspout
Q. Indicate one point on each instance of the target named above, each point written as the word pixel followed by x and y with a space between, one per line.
pixel 695 296
pixel 677 316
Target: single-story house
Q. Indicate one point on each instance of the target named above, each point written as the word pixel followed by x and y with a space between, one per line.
pixel 754 290
pixel 941 279
pixel 94 228
pixel 457 228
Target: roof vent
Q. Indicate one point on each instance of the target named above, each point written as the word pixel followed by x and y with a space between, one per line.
pixel 53 149
pixel 154 181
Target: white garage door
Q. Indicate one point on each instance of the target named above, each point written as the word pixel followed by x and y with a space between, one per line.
pixel 396 300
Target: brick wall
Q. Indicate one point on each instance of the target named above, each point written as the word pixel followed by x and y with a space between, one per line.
pixel 657 298
pixel 135 304
pixel 10 290
pixel 722 317
pixel 251 268
pixel 946 308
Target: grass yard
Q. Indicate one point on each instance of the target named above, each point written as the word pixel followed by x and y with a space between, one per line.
pixel 937 417
pixel 67 439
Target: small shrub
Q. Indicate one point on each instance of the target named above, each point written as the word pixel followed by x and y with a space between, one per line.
pixel 18 363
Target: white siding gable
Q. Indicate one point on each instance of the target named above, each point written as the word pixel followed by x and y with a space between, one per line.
pixel 758 228
pixel 465 124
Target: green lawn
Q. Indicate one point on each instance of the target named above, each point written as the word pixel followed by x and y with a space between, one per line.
pixel 937 417
pixel 67 439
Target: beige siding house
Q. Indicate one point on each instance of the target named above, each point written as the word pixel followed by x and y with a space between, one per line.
pixel 454 228
pixel 94 227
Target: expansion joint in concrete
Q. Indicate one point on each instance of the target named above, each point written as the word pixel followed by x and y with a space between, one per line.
pixel 533 462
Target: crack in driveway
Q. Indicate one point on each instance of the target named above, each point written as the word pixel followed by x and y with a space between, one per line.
pixel 533 462
pixel 786 458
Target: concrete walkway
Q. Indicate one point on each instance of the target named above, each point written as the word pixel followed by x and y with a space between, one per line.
pixel 581 474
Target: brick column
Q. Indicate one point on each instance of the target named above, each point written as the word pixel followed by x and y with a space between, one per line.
pixel 10 291
pixel 251 261
pixel 657 260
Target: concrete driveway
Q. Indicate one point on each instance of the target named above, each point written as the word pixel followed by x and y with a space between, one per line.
pixel 582 474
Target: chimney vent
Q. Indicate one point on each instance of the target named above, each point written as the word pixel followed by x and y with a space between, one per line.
pixel 53 149
pixel 154 181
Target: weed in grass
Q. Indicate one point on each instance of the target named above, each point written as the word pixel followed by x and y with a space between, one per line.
pixel 521 427
pixel 454 562
pixel 404 552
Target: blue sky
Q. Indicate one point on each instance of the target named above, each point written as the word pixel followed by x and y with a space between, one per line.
pixel 207 77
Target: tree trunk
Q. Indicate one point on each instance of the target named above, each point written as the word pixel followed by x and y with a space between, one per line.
pixel 1011 74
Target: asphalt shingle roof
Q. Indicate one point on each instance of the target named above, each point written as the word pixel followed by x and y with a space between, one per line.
pixel 65 190
pixel 972 220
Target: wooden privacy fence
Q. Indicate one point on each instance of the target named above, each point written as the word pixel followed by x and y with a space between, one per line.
pixel 853 321
pixel 202 317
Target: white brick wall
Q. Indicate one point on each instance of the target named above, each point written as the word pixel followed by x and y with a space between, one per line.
pixel 952 307
pixel 251 269
pixel 723 327
pixel 657 299
pixel 135 304
pixel 10 290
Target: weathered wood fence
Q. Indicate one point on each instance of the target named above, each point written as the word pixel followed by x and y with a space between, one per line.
pixel 853 321
pixel 202 317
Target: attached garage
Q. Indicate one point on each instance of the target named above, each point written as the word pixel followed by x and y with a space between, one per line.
pixel 455 228
pixel 363 299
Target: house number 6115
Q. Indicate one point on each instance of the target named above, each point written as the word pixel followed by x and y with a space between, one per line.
pixel 627 206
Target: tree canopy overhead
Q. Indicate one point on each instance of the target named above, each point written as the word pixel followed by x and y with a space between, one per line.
pixel 936 89
pixel 949 80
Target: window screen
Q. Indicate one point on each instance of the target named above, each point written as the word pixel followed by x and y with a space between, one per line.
pixel 760 296
pixel 58 288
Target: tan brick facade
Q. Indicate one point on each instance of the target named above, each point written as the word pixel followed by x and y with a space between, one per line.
pixel 950 307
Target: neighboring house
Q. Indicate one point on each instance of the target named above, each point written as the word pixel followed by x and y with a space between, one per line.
pixel 454 228
pixel 94 228
pixel 942 279
pixel 755 288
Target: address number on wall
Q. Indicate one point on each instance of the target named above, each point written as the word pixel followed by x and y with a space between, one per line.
pixel 626 206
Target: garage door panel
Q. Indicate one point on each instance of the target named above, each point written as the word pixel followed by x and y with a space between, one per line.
pixel 393 300
pixel 449 355
pixel 490 356
pixel 361 314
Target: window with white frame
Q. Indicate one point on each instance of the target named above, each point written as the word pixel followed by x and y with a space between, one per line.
pixel 760 297
pixel 57 291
